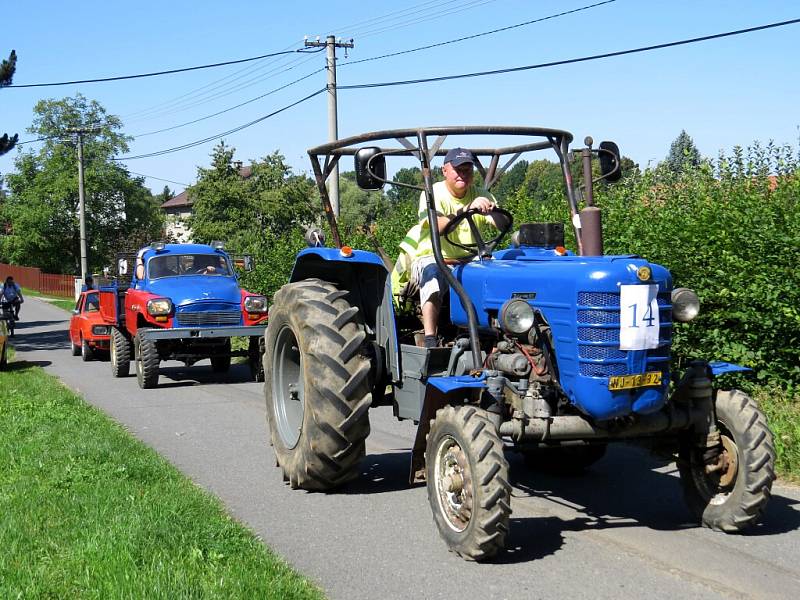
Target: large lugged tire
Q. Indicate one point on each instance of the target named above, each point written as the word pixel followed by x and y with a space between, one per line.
pixel 731 499
pixel 146 357
pixel 317 385
pixel 120 353
pixel 467 478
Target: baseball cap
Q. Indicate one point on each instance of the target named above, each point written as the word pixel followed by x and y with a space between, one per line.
pixel 459 156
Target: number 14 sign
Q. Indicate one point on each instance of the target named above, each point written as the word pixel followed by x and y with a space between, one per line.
pixel 638 327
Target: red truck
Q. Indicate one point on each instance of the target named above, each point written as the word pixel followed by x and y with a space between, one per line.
pixel 180 302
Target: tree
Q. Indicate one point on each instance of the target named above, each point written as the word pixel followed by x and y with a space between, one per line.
pixel 683 154
pixel 42 208
pixel 166 194
pixel 7 68
pixel 264 215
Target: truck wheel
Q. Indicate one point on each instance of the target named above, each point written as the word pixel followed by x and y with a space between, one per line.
pixel 76 349
pixel 147 360
pixel 317 385
pixel 255 354
pixel 732 498
pixel 566 460
pixel 221 364
pixel 120 351
pixel 467 478
pixel 87 353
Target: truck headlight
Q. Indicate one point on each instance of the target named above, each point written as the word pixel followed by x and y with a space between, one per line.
pixel 159 307
pixel 516 316
pixel 685 305
pixel 255 304
pixel 100 330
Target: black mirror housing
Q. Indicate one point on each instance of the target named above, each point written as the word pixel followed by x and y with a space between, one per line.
pixel 610 167
pixel 370 167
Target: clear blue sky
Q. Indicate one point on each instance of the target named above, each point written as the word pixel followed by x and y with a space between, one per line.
pixel 722 92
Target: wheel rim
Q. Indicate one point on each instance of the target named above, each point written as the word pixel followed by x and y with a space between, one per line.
pixel 112 351
pixel 287 387
pixel 139 367
pixel 716 487
pixel 453 481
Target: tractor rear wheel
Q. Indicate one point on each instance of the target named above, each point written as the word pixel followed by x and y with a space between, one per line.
pixel 147 360
pixel 732 495
pixel 120 353
pixel 467 478
pixel 317 385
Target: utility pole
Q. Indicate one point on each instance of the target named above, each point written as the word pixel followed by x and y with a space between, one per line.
pixel 81 204
pixel 331 44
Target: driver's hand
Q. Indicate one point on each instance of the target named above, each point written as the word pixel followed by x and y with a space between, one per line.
pixel 482 204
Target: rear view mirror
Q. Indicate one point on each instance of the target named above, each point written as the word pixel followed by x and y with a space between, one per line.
pixel 370 167
pixel 609 161
pixel 245 262
pixel 122 267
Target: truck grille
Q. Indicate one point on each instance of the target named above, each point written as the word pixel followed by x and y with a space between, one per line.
pixel 208 318
pixel 598 335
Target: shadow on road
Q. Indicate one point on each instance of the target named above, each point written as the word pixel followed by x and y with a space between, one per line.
pixel 46 340
pixel 24 365
pixel 381 473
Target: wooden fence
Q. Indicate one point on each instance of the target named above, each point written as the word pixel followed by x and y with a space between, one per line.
pixel 46 283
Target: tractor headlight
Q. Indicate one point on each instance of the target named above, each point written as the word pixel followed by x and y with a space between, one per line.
pixel 685 304
pixel 516 316
pixel 159 307
pixel 255 304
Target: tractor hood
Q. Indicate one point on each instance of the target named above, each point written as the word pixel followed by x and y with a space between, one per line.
pixel 188 289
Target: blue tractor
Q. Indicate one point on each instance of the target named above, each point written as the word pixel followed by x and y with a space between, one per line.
pixel 548 352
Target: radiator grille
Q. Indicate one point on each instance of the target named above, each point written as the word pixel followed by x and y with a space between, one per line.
pixel 191 319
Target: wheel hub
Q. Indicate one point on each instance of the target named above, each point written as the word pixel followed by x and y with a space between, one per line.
pixel 453 484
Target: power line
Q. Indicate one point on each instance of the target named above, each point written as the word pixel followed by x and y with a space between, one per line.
pixel 571 60
pixel 224 133
pixel 156 73
pixel 158 178
pixel 477 35
pixel 232 107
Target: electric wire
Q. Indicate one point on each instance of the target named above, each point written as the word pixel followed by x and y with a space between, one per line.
pixel 232 107
pixel 223 134
pixel 570 60
pixel 158 178
pixel 213 84
pixel 477 35
pixel 156 73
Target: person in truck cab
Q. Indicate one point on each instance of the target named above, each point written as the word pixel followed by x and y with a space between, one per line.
pixel 416 266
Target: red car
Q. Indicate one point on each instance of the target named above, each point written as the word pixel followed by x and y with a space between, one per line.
pixel 87 330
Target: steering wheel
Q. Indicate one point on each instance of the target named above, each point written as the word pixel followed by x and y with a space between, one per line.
pixel 481 247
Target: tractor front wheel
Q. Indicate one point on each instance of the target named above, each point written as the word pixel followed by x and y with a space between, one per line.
pixel 317 385
pixel 729 494
pixel 467 478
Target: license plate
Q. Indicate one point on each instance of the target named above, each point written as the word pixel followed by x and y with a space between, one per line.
pixel 627 382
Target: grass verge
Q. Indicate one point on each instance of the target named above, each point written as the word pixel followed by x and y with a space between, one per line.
pixel 65 303
pixel 782 408
pixel 90 512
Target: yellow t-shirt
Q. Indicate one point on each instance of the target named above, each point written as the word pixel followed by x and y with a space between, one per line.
pixel 418 239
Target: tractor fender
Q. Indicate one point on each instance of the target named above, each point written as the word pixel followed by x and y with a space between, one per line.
pixel 439 392
pixel 718 367
pixel 366 279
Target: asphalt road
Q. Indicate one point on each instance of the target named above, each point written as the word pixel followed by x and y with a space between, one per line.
pixel 619 531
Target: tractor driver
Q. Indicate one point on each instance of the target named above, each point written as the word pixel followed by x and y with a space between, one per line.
pixel 416 265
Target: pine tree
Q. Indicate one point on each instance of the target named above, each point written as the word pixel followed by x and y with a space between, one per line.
pixel 683 154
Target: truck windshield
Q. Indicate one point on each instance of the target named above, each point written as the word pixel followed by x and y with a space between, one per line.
pixel 174 265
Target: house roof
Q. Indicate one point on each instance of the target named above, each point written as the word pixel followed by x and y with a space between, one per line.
pixel 183 198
